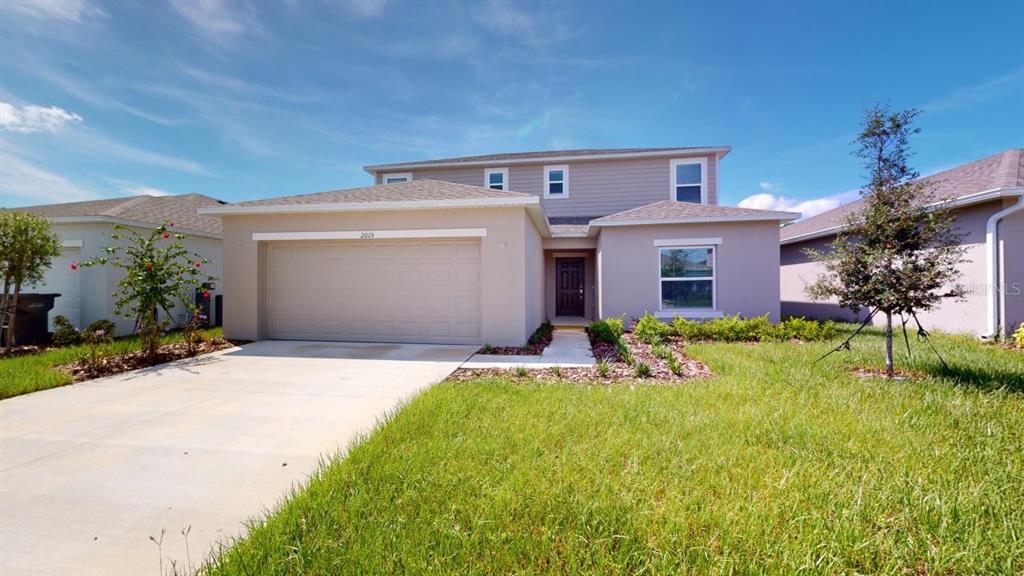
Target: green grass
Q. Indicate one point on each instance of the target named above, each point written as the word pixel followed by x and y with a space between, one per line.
pixel 773 466
pixel 32 372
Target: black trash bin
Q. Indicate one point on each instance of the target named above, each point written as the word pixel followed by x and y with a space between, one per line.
pixel 32 324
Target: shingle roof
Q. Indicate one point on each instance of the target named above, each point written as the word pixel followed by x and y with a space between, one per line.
pixel 670 211
pixel 995 172
pixel 179 209
pixel 511 156
pixel 415 190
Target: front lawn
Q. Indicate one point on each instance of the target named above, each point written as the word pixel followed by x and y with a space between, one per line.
pixel 772 465
pixel 32 372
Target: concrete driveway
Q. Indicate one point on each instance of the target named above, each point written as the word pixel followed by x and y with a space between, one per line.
pixel 89 472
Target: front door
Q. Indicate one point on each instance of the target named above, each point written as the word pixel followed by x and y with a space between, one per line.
pixel 569 286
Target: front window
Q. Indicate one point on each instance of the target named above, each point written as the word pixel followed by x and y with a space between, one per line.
pixel 396 178
pixel 556 181
pixel 688 181
pixel 687 277
pixel 496 178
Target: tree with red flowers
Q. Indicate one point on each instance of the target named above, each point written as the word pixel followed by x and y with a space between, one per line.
pixel 160 274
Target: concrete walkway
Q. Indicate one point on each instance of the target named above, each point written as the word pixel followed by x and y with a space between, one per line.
pixel 89 472
pixel 569 348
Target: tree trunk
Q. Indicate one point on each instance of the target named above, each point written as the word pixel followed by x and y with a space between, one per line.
pixel 3 309
pixel 888 346
pixel 12 320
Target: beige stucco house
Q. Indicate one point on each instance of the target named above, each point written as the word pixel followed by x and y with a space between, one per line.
pixel 84 228
pixel 988 196
pixel 483 249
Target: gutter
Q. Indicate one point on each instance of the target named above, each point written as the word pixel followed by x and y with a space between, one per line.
pixel 994 293
pixel 371 206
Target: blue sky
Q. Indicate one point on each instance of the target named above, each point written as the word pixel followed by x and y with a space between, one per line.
pixel 241 100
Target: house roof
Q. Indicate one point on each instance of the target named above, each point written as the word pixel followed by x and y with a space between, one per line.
pixel 550 156
pixel 671 212
pixel 422 190
pixel 180 209
pixel 1001 171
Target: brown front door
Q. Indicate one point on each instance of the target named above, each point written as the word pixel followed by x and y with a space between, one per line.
pixel 569 286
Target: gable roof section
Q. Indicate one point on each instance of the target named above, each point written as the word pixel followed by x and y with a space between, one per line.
pixel 670 212
pixel 550 156
pixel 971 181
pixel 182 210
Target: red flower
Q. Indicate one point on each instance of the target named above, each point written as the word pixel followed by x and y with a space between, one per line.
pixel 149 266
pixel 199 264
pixel 74 265
pixel 169 224
pixel 206 293
pixel 166 235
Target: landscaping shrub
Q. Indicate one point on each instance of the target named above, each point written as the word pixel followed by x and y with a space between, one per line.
pixel 1018 336
pixel 602 368
pixel 624 351
pixel 617 326
pixel 95 335
pixel 64 334
pixel 542 333
pixel 603 331
pixel 756 329
pixel 651 330
pixel 642 370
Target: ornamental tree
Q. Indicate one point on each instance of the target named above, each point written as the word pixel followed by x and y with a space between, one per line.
pixel 159 275
pixel 27 248
pixel 898 254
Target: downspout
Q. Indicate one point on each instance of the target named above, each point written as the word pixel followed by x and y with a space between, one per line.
pixel 994 291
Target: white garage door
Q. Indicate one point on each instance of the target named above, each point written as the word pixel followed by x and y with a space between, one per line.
pixel 380 291
pixel 62 280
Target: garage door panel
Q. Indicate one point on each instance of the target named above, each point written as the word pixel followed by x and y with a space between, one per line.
pixel 422 291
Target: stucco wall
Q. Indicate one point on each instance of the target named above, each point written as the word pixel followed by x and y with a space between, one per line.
pixel 98 284
pixel 1011 234
pixel 747 267
pixel 506 308
pixel 967 315
pixel 533 277
pixel 596 188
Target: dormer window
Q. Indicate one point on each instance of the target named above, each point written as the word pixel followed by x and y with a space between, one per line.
pixel 556 181
pixel 496 178
pixel 689 181
pixel 396 177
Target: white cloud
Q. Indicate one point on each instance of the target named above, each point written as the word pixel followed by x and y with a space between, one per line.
pixel 24 179
pixel 146 191
pixel 506 18
pixel 768 201
pixel 219 20
pixel 54 10
pixel 769 186
pixel 968 97
pixel 28 119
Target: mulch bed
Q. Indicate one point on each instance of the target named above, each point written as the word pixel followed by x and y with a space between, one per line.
pixel 118 363
pixel 538 342
pixel 618 370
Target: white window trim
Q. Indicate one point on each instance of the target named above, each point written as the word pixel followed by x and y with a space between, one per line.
pixel 687 242
pixel 504 178
pixel 406 175
pixel 703 177
pixel 692 312
pixel 565 180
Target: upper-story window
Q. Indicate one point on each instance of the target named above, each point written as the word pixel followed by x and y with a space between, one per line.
pixel 689 182
pixel 396 177
pixel 556 181
pixel 496 178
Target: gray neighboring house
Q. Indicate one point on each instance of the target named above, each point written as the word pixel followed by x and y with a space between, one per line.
pixel 482 249
pixel 988 196
pixel 87 294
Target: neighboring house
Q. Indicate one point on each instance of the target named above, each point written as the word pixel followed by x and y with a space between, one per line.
pixel 482 249
pixel 84 228
pixel 987 196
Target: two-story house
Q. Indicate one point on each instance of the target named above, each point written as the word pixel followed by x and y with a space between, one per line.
pixel 482 249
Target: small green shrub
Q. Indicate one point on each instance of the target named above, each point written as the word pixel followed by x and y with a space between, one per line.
pixel 542 333
pixel 674 365
pixel 1018 336
pixel 756 329
pixel 100 328
pixel 521 371
pixel 64 334
pixel 487 349
pixel 624 352
pixel 603 331
pixel 602 368
pixel 556 371
pixel 651 330
pixel 95 335
pixel 617 325
pixel 642 370
pixel 661 351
